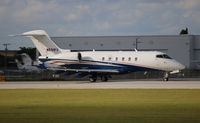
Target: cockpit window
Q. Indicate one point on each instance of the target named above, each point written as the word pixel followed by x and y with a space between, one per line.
pixel 163 56
pixel 159 56
pixel 166 56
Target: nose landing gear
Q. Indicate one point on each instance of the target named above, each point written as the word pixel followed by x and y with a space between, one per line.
pixel 166 76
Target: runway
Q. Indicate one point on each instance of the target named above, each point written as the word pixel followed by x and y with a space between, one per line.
pixel 101 85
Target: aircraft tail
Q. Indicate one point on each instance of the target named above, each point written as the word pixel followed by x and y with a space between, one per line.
pixel 43 42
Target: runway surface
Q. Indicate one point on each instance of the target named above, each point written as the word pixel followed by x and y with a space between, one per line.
pixel 101 85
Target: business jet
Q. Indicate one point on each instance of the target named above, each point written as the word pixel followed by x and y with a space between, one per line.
pixel 25 63
pixel 101 64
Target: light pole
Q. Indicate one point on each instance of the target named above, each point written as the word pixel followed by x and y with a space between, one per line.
pixel 5 59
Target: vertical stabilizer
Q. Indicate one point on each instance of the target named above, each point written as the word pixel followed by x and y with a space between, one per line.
pixel 43 42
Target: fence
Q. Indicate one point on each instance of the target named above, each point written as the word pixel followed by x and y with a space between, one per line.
pixel 15 75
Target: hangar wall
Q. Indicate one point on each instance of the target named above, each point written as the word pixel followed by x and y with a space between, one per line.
pixel 195 51
pixel 184 48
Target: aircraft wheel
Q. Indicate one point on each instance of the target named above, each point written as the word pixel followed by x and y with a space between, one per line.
pixel 92 79
pixel 104 78
pixel 166 77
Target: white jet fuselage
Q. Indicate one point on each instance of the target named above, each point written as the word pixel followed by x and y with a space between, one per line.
pixel 123 61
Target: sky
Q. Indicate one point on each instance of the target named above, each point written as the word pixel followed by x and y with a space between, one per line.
pixel 96 18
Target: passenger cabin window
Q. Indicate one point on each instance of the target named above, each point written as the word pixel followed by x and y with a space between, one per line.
pixel 109 58
pixel 103 58
pixel 116 59
pixel 123 58
pixel 136 58
pixel 129 59
pixel 163 56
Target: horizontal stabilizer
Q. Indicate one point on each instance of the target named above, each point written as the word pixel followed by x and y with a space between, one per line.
pixel 35 33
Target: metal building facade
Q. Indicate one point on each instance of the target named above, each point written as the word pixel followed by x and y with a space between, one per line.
pixel 184 48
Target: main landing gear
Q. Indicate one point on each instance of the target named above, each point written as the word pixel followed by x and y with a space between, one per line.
pixel 93 78
pixel 104 78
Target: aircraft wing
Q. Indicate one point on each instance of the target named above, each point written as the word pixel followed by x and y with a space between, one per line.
pixel 86 70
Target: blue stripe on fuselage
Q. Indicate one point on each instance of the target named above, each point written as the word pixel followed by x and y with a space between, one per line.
pixel 122 68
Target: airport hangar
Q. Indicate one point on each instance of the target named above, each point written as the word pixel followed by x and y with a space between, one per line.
pixel 184 48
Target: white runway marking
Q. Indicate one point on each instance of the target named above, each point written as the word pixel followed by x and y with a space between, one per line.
pixel 101 85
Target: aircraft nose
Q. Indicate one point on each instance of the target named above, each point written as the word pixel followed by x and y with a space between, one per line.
pixel 180 66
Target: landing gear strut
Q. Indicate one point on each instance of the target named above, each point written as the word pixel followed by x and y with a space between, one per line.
pixel 166 76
